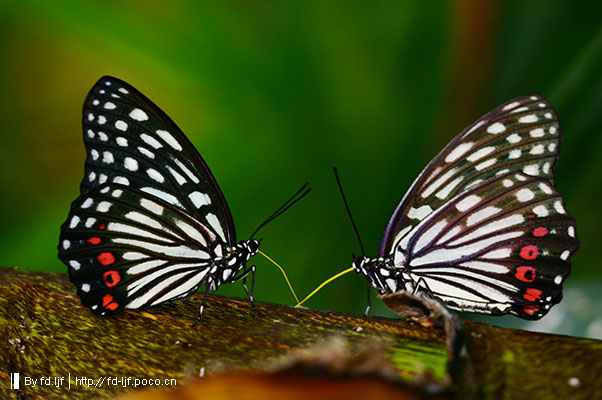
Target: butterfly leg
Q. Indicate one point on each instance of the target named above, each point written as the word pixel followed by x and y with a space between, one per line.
pixel 243 278
pixel 198 319
pixel 250 294
pixel 425 287
pixel 368 299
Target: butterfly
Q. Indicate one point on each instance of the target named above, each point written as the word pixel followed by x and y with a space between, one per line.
pixel 151 224
pixel 482 228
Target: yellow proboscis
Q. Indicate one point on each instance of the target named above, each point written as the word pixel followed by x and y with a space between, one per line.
pixel 283 273
pixel 326 282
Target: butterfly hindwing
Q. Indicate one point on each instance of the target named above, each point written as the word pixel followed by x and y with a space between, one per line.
pixel 129 140
pixel 126 249
pixel 505 242
pixel 522 135
pixel 482 227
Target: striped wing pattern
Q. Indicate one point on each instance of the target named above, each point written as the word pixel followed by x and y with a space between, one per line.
pixel 126 249
pixel 151 224
pixel 483 227
pixel 520 135
pixel 501 246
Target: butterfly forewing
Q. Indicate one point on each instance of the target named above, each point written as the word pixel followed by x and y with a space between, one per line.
pixel 520 135
pixel 126 249
pixel 500 246
pixel 130 141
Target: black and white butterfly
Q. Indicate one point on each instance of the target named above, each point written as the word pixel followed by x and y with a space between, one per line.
pixel 151 225
pixel 482 228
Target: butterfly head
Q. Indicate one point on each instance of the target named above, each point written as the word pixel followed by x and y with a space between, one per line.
pixel 380 273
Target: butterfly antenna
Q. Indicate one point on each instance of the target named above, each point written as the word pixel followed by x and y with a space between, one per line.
pixel 283 274
pixel 299 194
pixel 357 234
pixel 326 282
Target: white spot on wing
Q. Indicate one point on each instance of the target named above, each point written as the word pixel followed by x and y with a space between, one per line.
pixel 527 119
pixel 122 180
pixel 485 164
pixel 481 215
pixel 558 207
pixel 419 213
pixel 146 152
pixel 565 255
pixel 151 141
pixel 109 106
pixel 468 202
pixel 199 199
pixel 74 221
pixel 87 203
pixel 130 164
pixel 138 115
pixel 514 138
pixel 537 132
pixel 524 195
pixel 541 211
pixel 480 153
pixel 107 157
pixel 458 152
pixel 121 141
pixel 155 175
pixel 169 139
pixel 538 149
pixel 514 154
pixel 121 125
pixel 496 128
pixel 532 169
pixel 74 264
pixel 103 206
pixel 510 106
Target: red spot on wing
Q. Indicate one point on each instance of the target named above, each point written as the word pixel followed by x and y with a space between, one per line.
pixel 106 258
pixel 111 278
pixel 106 300
pixel 108 303
pixel 101 226
pixel 94 240
pixel 525 274
pixel 529 252
pixel 532 295
pixel 530 309
pixel 539 232
pixel 530 215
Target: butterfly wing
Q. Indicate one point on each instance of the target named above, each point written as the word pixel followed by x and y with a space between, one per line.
pixel 520 135
pixel 129 140
pixel 500 246
pixel 128 249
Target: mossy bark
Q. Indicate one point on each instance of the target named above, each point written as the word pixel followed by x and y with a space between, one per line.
pixel 46 332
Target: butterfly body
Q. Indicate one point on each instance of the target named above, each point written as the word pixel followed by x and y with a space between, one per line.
pixel 150 225
pixel 482 227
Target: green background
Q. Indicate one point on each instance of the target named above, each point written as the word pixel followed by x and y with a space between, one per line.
pixel 274 93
